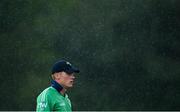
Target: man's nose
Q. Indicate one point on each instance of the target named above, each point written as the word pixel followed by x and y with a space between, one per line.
pixel 72 76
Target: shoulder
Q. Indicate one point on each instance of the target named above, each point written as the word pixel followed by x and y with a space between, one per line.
pixel 48 92
pixel 44 100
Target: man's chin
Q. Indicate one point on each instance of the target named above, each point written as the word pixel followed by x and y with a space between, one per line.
pixel 69 86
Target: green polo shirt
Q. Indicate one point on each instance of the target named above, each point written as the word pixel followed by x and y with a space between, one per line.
pixel 51 100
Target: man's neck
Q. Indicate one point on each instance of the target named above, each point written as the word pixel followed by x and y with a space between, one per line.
pixel 58 86
pixel 63 91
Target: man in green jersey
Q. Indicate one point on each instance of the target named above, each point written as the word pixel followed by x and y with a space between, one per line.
pixel 54 98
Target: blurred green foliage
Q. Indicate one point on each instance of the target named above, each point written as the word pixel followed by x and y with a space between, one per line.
pixel 127 50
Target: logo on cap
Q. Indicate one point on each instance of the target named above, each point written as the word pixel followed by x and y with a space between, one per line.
pixel 68 63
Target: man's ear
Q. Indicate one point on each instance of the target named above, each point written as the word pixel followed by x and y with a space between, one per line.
pixel 58 76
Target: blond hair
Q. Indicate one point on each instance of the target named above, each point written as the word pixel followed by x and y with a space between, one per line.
pixel 53 77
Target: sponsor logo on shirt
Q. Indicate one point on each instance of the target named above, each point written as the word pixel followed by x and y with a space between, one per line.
pixel 42 105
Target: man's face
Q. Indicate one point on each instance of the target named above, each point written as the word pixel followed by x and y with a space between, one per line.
pixel 66 80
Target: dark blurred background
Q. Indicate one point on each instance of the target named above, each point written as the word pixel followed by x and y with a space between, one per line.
pixel 128 52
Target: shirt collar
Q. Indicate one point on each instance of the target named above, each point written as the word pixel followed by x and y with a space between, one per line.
pixel 56 85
